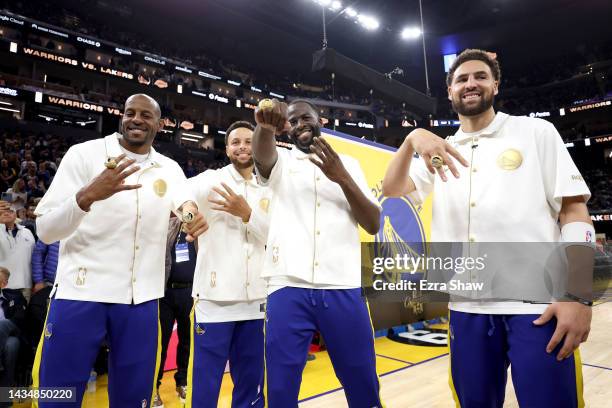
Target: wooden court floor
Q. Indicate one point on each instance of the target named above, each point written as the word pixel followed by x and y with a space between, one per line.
pixel 413 376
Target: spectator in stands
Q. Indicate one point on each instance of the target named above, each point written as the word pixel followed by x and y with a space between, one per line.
pixel 12 316
pixel 27 218
pixel 16 244
pixel 8 175
pixel 19 197
pixel 43 174
pixel 176 305
pixel 35 188
pixel 44 266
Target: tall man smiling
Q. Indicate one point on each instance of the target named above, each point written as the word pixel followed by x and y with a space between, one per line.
pixel 519 185
pixel 109 205
pixel 313 256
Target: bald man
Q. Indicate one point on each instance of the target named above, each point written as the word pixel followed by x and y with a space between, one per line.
pixel 109 205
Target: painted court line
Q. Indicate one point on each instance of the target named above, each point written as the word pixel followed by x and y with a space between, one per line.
pixel 596 366
pixel 381 375
pixel 393 358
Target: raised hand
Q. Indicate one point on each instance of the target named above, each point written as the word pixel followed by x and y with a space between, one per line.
pixel 271 114
pixel 108 183
pixel 328 160
pixel 196 224
pixel 428 145
pixel 232 203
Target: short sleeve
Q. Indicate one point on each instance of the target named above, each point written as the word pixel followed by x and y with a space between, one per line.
pixel 276 173
pixel 560 175
pixel 423 180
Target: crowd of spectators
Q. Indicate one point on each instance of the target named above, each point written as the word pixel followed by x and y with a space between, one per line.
pixel 544 86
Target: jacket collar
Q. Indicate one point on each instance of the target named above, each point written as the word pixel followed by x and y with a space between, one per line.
pixel 490 130
pixel 237 176
pixel 113 149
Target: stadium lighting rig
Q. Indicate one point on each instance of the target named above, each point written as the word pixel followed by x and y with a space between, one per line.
pixel 368 22
pixel 411 33
pixel 371 23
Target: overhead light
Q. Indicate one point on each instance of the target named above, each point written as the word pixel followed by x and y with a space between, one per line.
pixel 10 110
pixel 193 135
pixel 368 22
pixel 336 5
pixel 324 3
pixel 350 12
pixel 410 33
pixel 190 139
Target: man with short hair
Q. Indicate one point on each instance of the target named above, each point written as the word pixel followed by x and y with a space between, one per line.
pixel 228 290
pixel 313 256
pixel 12 316
pixel 109 205
pixel 16 245
pixel 518 183
pixel 176 306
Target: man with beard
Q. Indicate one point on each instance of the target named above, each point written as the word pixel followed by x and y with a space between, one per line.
pixel 313 256
pixel 518 183
pixel 228 290
pixel 109 205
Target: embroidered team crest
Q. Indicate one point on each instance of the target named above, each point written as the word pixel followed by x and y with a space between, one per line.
pixel 264 203
pixel 80 278
pixel 144 403
pixel 199 329
pixel 48 330
pixel 275 253
pixel 510 159
pixel 589 236
pixel 213 279
pixel 160 187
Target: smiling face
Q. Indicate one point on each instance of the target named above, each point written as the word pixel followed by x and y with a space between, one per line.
pixel 305 125
pixel 140 123
pixel 473 88
pixel 8 217
pixel 238 148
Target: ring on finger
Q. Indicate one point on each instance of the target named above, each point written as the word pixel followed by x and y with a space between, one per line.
pixel 436 161
pixel 266 104
pixel 110 163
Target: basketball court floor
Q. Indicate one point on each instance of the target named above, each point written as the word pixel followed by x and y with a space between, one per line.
pixel 415 376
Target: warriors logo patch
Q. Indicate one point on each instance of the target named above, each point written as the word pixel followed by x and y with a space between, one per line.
pixel 160 187
pixel 510 159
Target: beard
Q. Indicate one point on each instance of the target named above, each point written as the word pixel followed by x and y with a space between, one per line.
pixel 137 142
pixel 242 165
pixel 486 101
pixel 304 146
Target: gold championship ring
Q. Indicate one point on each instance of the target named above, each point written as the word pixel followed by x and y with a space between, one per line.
pixel 188 217
pixel 110 163
pixel 266 104
pixel 436 161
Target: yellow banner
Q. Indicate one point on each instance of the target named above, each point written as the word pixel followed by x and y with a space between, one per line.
pixel 401 220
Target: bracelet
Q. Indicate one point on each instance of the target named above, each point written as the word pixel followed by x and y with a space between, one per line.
pixel 578 299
